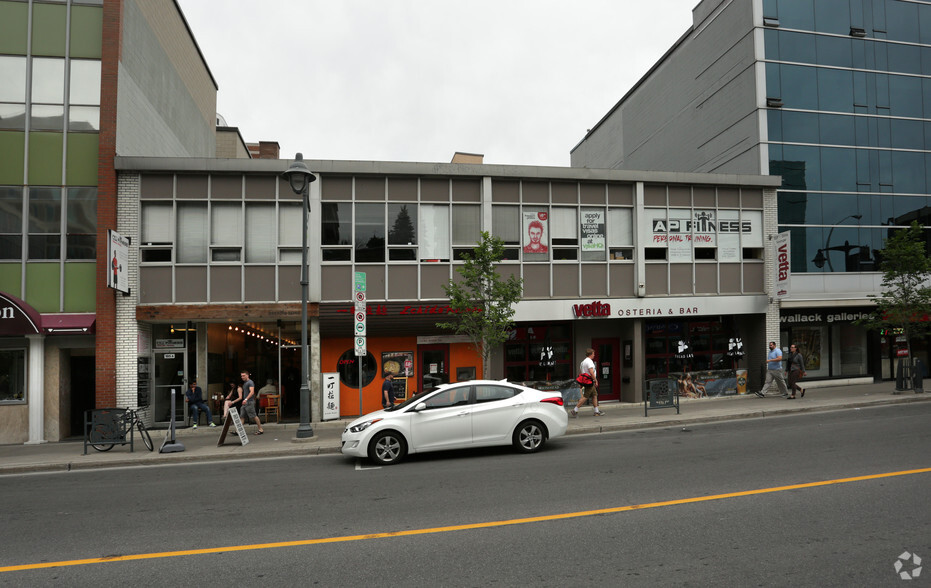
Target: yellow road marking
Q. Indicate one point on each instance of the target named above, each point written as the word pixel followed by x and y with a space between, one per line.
pixel 556 517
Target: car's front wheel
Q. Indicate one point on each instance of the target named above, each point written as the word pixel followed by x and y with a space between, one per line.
pixel 529 436
pixel 387 448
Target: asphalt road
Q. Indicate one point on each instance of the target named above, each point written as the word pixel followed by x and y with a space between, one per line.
pixel 712 505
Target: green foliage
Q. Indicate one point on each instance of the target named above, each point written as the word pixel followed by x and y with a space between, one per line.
pixel 482 302
pixel 905 302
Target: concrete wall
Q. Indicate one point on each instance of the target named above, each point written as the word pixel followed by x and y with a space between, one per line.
pixel 167 95
pixel 707 83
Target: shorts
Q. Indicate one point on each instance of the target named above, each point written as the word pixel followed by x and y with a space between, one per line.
pixel 590 392
pixel 248 409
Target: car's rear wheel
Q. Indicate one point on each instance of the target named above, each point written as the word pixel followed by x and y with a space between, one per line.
pixel 529 436
pixel 387 448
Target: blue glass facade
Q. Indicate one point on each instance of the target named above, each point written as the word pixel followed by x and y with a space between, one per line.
pixel 848 84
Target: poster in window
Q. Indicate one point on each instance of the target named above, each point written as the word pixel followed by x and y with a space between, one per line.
pixel 536 232
pixel 593 230
pixel 399 364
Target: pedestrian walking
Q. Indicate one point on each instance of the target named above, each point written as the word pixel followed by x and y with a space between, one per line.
pixel 387 391
pixel 774 371
pixel 795 366
pixel 232 400
pixel 248 402
pixel 589 393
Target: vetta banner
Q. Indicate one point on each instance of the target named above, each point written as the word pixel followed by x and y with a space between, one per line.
pixel 783 270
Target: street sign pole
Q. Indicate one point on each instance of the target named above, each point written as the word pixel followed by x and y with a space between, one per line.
pixel 359 329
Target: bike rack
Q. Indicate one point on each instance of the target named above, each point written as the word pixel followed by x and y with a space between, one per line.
pixel 107 426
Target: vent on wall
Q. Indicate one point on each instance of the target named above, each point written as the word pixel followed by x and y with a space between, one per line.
pixel 774 102
pixel 857 32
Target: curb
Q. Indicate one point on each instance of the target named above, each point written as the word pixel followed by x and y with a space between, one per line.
pixel 299 449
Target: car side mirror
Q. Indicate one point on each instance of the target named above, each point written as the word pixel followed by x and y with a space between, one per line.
pixel 420 406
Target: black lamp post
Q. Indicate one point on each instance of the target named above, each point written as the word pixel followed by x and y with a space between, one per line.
pixel 820 257
pixel 300 177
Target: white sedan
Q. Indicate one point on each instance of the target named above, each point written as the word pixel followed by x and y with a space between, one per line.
pixel 477 413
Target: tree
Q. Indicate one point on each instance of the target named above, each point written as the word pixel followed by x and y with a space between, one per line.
pixel 481 301
pixel 905 302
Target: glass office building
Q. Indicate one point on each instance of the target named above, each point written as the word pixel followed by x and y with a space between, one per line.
pixel 832 95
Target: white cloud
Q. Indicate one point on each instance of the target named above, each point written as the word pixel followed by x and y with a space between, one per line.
pixel 416 80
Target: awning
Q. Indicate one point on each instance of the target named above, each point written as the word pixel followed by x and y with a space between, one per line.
pixel 17 317
pixel 68 324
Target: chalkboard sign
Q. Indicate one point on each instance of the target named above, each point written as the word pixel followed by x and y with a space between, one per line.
pixel 400 388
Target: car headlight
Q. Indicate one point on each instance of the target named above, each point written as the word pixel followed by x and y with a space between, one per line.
pixel 363 426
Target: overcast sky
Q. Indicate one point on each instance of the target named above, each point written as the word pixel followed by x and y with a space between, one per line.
pixel 417 80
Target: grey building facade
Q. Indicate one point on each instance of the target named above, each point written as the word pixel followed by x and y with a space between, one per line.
pixel 834 96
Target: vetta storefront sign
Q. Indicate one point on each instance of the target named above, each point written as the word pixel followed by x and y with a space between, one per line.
pixel 590 310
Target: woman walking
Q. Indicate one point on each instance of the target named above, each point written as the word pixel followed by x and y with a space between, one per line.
pixel 796 367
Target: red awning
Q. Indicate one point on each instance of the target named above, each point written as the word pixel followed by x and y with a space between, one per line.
pixel 68 324
pixel 17 317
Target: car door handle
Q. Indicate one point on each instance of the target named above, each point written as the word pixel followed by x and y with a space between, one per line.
pixel 463 413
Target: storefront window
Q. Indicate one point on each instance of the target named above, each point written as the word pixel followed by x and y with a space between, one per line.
pixel 348 368
pixel 708 343
pixel 539 353
pixel 12 375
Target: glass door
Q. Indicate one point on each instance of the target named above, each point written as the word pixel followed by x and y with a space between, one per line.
pixel 608 367
pixel 168 374
pixel 434 366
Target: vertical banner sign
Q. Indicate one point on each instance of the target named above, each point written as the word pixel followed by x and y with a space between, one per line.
pixel 117 261
pixel 358 330
pixel 783 271
pixel 330 396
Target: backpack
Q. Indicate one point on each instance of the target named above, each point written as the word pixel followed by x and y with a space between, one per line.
pixel 585 380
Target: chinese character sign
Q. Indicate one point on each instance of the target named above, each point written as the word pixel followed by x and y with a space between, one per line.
pixel 330 396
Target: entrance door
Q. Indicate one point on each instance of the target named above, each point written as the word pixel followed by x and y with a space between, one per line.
pixel 608 367
pixel 169 375
pixel 434 366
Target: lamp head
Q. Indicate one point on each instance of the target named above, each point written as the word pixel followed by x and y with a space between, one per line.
pixel 299 175
pixel 819 259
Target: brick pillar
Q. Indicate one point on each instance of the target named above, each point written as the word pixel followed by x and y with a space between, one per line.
pixel 105 348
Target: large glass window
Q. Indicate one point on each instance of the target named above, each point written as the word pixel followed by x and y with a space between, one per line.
pixel 13 92
pixel 157 233
pixel 370 233
pixel 434 232
pixel 467 227
pixel 226 231
pixel 336 231
pixel 11 222
pixel 290 223
pixel 12 375
pixel 81 238
pixel 192 237
pixel 44 223
pixel 564 226
pixel 402 232
pixel 261 236
pixel 524 353
pixel 505 225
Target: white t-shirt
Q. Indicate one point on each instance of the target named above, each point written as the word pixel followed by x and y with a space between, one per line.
pixel 588 364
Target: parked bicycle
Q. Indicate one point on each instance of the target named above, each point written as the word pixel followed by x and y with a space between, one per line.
pixel 107 433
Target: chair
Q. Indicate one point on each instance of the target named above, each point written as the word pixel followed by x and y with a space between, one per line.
pixel 272 407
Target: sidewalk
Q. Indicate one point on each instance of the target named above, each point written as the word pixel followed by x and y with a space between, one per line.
pixel 278 441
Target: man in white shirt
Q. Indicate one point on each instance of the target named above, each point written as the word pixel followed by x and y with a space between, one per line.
pixel 589 392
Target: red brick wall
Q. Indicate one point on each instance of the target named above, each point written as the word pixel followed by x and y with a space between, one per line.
pixel 105 360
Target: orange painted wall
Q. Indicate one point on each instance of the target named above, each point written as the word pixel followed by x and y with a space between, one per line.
pixel 460 355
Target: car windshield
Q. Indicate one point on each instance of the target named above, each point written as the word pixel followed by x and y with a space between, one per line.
pixel 410 401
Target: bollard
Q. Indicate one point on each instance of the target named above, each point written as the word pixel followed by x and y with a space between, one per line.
pixel 918 377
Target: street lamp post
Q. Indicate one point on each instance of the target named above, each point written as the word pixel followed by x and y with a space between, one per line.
pixel 300 178
pixel 827 245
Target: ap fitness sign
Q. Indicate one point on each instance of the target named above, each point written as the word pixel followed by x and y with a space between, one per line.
pixel 682 230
